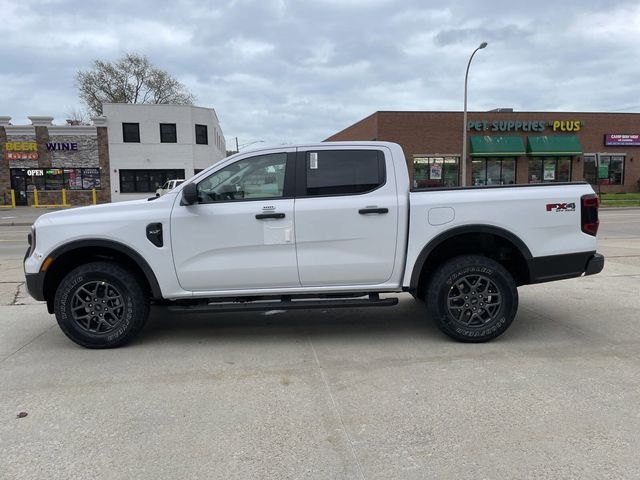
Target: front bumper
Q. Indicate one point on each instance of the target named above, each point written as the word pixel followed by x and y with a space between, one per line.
pixel 35 285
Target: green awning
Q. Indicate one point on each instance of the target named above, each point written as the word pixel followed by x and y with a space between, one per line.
pixel 488 146
pixel 554 145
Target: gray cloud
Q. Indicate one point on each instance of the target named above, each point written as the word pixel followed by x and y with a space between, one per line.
pixel 290 71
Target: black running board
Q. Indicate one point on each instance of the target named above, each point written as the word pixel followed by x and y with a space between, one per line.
pixel 285 304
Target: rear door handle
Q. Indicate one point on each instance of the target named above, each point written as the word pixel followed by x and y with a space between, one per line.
pixel 262 216
pixel 364 211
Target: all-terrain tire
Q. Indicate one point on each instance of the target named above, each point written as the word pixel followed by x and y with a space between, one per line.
pixel 472 298
pixel 101 305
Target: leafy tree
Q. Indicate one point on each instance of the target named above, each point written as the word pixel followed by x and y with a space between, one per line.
pixel 131 79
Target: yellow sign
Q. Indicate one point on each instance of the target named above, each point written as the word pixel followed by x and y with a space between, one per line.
pixel 21 147
pixel 566 125
pixel 21 150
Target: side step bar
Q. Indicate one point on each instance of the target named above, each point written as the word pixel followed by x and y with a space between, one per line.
pixel 286 303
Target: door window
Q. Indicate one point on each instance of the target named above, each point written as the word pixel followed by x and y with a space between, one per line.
pixel 247 179
pixel 343 172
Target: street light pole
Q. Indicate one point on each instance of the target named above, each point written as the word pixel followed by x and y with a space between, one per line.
pixel 464 119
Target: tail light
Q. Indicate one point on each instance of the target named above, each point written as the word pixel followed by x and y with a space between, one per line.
pixel 589 214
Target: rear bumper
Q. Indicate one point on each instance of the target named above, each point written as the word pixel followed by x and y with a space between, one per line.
pixel 560 267
pixel 595 264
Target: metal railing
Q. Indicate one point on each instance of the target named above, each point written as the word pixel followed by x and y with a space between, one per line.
pixel 63 197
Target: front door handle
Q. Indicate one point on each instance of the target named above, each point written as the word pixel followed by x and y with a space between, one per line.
pixel 262 216
pixel 365 211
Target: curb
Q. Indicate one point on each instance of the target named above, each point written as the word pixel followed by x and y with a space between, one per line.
pixel 604 207
pixel 16 224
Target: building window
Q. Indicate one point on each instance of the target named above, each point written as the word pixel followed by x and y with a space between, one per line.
pixel 549 169
pixel 168 133
pixel 146 181
pixel 201 135
pixel 344 172
pixel 435 171
pixel 493 171
pixel 131 132
pixel 590 171
pixel 612 169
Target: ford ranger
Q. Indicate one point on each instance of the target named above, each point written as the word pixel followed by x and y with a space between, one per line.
pixel 312 226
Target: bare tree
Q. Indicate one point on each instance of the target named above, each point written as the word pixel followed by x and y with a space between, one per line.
pixel 131 79
pixel 77 116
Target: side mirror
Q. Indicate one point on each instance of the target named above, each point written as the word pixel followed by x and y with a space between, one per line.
pixel 189 194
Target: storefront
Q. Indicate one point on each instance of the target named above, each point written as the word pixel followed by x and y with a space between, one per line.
pixel 126 154
pixel 49 159
pixel 506 147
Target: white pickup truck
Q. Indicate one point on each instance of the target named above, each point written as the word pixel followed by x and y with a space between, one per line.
pixel 310 226
pixel 168 185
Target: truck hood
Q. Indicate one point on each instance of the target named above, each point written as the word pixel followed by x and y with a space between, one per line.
pixel 107 211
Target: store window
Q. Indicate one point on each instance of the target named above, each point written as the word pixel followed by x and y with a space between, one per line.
pixel 168 133
pixel 612 167
pixel 590 171
pixel 146 181
pixel 435 171
pixel 59 178
pixel 91 178
pixel 493 171
pixel 202 137
pixel 131 132
pixel 549 169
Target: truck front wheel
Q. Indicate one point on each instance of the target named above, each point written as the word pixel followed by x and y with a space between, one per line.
pixel 101 305
pixel 472 298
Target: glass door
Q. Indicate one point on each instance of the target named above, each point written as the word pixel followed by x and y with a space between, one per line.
pixel 19 185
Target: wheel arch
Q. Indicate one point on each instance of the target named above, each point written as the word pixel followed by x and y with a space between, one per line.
pixel 495 242
pixel 71 255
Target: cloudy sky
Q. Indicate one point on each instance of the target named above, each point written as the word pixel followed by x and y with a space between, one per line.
pixel 285 71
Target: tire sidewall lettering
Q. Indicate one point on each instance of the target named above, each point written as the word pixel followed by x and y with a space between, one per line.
pixel 446 277
pixel 82 278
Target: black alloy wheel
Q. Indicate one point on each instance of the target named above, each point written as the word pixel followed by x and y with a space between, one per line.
pixel 472 298
pixel 101 305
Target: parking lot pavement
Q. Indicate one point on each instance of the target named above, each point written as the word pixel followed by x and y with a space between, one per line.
pixel 366 393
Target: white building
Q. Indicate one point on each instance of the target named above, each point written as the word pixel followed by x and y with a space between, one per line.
pixel 149 144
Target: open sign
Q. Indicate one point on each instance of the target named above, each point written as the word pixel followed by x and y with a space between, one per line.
pixel 38 172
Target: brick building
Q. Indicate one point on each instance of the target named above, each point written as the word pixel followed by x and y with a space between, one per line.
pixel 507 147
pixel 50 158
pixel 126 154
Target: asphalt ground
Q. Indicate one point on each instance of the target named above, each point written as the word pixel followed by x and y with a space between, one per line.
pixel 347 393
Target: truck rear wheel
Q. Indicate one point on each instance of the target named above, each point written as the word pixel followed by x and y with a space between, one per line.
pixel 472 298
pixel 101 305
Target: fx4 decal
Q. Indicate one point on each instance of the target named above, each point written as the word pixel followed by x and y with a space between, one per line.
pixel 561 207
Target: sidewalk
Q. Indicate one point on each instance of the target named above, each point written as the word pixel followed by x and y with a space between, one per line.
pixel 22 216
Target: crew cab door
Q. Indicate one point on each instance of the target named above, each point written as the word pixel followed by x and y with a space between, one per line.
pixel 240 233
pixel 346 215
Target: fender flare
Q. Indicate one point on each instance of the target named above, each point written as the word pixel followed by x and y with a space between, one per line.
pixel 454 232
pixel 120 248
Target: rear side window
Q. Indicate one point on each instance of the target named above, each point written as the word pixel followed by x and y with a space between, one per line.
pixel 343 172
